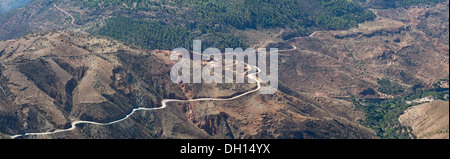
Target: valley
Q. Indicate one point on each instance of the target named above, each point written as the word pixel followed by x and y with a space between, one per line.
pixel 101 69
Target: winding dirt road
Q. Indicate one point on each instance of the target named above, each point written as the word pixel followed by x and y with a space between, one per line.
pixel 164 102
pixel 65 12
pixel 164 105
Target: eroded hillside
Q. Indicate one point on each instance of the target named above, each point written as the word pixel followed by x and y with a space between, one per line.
pixel 51 79
pixel 406 45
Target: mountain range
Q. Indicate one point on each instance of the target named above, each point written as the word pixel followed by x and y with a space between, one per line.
pixel 64 61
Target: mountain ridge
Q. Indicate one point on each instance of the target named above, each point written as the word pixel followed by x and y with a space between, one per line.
pixel 55 70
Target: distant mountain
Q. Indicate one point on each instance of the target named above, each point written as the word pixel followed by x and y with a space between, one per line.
pixel 6 5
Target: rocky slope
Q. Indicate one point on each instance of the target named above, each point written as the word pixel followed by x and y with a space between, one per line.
pixel 406 45
pixel 428 121
pixel 51 79
pixel 37 16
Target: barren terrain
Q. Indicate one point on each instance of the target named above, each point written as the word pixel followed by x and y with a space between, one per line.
pixel 428 121
pixel 52 79
pixel 53 73
pixel 344 63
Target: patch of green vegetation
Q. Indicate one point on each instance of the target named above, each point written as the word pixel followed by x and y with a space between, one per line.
pixel 382 116
pixel 389 87
pixel 157 35
pixel 341 14
pixel 206 18
pixel 345 15
pixel 150 34
pixel 409 78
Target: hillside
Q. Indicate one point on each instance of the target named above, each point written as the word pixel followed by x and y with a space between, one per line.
pixel 346 68
pixel 394 46
pixel 52 79
pixel 217 25
pixel 428 121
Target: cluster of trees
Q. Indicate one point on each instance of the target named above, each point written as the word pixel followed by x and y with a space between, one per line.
pixel 151 34
pixel 344 14
pixel 140 4
pixel 157 35
pixel 382 116
pixel 389 87
pixel 214 18
pixel 255 13
pixel 297 14
pixel 218 17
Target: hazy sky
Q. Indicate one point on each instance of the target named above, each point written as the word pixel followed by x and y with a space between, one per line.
pixel 6 5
